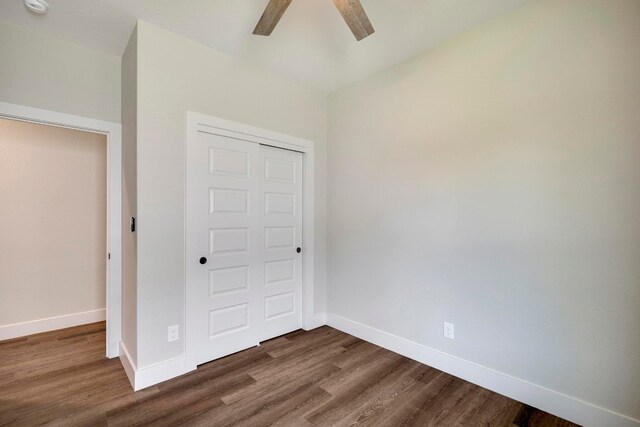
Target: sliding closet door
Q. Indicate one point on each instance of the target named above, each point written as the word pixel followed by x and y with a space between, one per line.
pixel 282 188
pixel 244 225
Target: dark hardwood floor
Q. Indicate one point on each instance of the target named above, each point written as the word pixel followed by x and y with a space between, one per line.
pixel 322 377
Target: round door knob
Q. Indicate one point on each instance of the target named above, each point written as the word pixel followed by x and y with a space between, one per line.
pixel 299 250
pixel 203 260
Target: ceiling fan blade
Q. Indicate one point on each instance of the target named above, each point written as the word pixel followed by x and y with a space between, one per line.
pixel 270 17
pixel 355 17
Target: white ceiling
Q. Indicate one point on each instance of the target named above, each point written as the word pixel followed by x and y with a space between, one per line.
pixel 311 44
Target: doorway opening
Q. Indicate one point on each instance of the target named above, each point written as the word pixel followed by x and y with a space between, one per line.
pixel 60 223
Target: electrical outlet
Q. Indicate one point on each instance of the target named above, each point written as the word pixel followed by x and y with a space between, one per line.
pixel 173 333
pixel 448 330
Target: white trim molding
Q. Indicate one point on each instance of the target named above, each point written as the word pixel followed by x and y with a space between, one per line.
pixel 31 327
pixel 128 364
pixel 319 319
pixel 197 122
pixel 153 374
pixel 551 401
pixel 113 132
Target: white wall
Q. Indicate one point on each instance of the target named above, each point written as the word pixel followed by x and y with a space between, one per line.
pixel 52 221
pixel 176 75
pixel 493 183
pixel 41 71
pixel 129 193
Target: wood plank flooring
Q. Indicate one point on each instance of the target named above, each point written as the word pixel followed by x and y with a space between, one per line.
pixel 318 378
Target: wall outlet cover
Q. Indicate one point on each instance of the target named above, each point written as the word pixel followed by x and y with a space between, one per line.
pixel 449 330
pixel 173 333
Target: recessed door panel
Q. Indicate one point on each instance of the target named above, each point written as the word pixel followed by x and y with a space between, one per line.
pixel 229 240
pixel 228 320
pixel 228 162
pixel 280 170
pixel 279 271
pixel 279 203
pixel 280 237
pixel 229 279
pixel 279 305
pixel 228 201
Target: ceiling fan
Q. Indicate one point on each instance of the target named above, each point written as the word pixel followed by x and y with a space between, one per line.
pixel 351 10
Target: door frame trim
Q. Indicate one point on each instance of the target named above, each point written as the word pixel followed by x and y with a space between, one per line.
pixel 113 133
pixel 218 126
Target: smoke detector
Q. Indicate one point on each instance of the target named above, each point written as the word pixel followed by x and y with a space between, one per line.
pixel 37 6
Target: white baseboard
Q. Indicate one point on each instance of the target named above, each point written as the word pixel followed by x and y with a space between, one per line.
pixel 17 330
pixel 150 375
pixel 163 371
pixel 318 319
pixel 551 401
pixel 128 365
